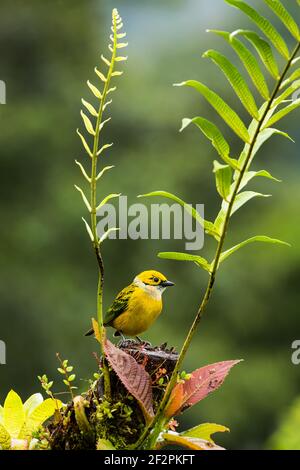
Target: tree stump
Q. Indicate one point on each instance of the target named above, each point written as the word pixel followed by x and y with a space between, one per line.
pixel 120 421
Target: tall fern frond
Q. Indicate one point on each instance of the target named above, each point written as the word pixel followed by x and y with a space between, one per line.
pixel 232 178
pixel 94 122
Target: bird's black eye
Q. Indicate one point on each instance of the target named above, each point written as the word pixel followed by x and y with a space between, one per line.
pixel 155 279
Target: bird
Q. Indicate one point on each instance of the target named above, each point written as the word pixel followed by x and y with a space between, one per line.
pixel 137 306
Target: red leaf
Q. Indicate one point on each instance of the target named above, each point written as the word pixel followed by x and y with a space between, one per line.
pixel 133 376
pixel 203 382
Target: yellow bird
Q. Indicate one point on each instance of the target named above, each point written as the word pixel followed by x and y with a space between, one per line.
pixel 137 306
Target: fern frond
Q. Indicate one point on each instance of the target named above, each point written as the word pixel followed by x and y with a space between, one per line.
pixel 282 113
pixel 294 76
pixel 264 51
pixel 216 137
pixel 94 122
pixel 222 108
pixel 287 93
pixel 285 17
pixel 236 80
pixel 248 60
pixel 265 25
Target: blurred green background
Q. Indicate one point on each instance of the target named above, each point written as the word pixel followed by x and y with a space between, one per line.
pixel 48 273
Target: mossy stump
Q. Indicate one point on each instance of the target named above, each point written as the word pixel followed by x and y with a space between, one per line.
pixel 91 417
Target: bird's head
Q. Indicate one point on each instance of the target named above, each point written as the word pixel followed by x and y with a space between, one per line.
pixel 153 282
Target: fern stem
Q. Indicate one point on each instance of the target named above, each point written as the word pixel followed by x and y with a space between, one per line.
pixel 159 421
pixel 96 241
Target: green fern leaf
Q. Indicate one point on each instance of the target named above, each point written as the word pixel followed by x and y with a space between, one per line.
pixel 212 132
pixel 208 226
pixel 287 93
pixel 282 113
pixel 198 260
pixel 223 175
pixel 284 16
pixel 294 76
pixel 263 137
pixel 249 175
pixel 249 61
pixel 242 199
pixel 264 51
pixel 222 108
pixel 236 81
pixel 266 27
pixel 258 238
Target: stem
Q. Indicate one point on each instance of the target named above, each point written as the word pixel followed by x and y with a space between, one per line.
pixel 159 419
pixel 96 241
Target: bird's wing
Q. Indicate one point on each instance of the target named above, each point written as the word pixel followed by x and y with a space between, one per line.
pixel 120 304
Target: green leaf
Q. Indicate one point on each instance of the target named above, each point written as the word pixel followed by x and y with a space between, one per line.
pixel 284 16
pixel 249 175
pixel 287 93
pixel 258 238
pixel 40 414
pixel 223 175
pixel 263 137
pixel 106 234
pixel 236 80
pixel 87 123
pixel 13 414
pixel 106 199
pixel 86 176
pixel 294 76
pixel 84 198
pixel 208 226
pixel 85 144
pixel 249 61
pixel 104 170
pixel 192 443
pixel 264 50
pixel 222 108
pixel 32 402
pixel 104 444
pixel 5 439
pixel 266 27
pixel 88 229
pixel 242 199
pixel 283 112
pixel 89 107
pixel 204 431
pixel 215 136
pixel 94 90
pixel 202 262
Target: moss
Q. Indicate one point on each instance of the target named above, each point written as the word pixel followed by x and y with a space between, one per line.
pixel 120 420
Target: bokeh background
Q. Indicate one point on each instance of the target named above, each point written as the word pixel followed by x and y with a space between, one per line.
pixel 48 273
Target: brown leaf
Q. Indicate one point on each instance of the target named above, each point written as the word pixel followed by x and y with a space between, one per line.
pixel 203 382
pixel 133 376
pixel 192 443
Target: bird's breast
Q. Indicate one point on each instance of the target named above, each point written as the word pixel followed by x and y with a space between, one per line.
pixel 142 311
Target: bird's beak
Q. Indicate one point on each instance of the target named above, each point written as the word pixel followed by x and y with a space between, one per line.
pixel 167 284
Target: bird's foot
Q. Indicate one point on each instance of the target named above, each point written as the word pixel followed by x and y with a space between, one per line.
pixel 142 342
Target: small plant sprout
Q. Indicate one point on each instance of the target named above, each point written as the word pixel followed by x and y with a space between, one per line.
pixel 66 371
pixel 46 385
pixel 94 120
